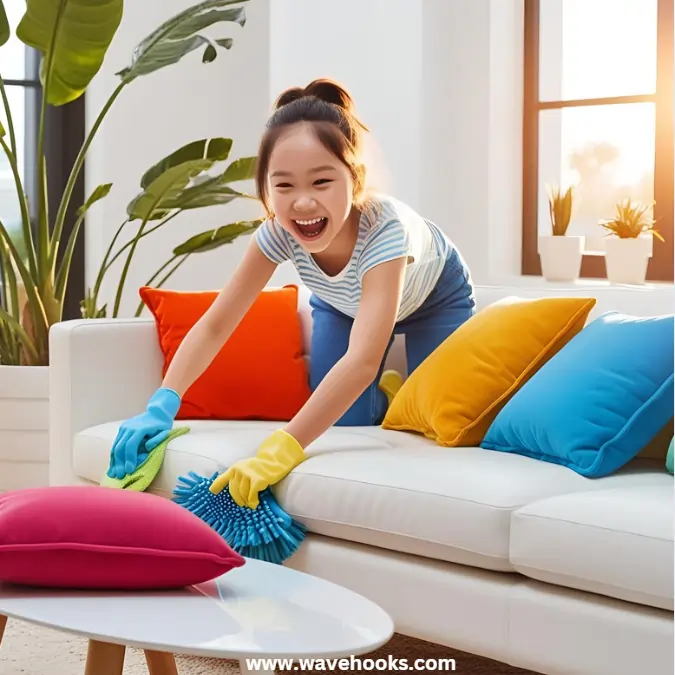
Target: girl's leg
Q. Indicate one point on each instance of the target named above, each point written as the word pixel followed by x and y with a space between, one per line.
pixel 330 339
pixel 448 306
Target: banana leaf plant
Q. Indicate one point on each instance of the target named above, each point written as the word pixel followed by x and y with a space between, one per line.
pixel 73 38
pixel 178 183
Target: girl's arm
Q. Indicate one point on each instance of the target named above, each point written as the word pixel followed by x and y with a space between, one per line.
pixel 205 339
pixel 356 370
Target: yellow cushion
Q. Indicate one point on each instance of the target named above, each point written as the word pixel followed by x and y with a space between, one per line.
pixel 455 394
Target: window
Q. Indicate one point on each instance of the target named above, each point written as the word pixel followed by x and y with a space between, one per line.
pixel 64 134
pixel 19 70
pixel 598 114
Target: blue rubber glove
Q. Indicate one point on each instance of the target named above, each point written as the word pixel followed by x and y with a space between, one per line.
pixel 138 436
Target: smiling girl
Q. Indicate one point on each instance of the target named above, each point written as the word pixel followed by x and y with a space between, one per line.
pixel 375 269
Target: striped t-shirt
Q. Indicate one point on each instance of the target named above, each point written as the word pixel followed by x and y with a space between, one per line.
pixel 391 230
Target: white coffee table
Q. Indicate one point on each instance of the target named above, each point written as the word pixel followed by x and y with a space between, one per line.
pixel 259 610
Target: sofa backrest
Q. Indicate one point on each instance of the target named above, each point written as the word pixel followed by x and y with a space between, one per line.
pixel 637 301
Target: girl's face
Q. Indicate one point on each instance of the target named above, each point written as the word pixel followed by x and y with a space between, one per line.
pixel 310 189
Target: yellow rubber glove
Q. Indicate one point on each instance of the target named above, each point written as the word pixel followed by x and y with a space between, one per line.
pixel 276 457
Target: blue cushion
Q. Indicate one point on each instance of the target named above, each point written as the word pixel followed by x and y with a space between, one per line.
pixel 598 401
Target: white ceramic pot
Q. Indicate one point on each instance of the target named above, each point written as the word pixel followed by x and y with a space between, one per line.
pixel 24 427
pixel 626 260
pixel 561 257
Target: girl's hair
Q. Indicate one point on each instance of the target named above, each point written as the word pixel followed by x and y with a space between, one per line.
pixel 330 110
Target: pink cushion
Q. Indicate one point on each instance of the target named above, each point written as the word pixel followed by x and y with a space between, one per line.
pixel 106 538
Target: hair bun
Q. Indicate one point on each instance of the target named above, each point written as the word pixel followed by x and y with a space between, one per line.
pixel 330 92
pixel 288 96
pixel 325 90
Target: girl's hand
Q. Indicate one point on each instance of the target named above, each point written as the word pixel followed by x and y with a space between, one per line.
pixel 279 454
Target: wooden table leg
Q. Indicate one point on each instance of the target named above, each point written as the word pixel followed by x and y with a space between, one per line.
pixel 160 663
pixel 104 658
pixel 3 623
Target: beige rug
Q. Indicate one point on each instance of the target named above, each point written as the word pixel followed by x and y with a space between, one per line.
pixel 33 650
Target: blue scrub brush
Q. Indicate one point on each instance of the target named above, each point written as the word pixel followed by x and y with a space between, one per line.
pixel 266 533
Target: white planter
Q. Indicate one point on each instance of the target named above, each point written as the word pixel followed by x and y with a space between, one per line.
pixel 626 260
pixel 24 427
pixel 561 257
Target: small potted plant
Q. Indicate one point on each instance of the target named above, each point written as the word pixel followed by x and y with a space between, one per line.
pixel 560 253
pixel 630 242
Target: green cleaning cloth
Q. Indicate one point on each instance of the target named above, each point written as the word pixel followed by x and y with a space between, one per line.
pixel 141 479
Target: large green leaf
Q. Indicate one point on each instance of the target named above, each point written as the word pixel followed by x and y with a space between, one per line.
pixel 5 30
pixel 216 149
pixel 208 193
pixel 210 53
pixel 181 35
pixel 240 169
pixel 148 204
pixel 73 37
pixel 212 239
pixel 213 190
pixel 99 192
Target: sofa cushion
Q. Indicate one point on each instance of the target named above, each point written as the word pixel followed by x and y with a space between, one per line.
pixel 616 542
pixel 259 373
pixel 456 393
pixel 390 489
pixel 598 402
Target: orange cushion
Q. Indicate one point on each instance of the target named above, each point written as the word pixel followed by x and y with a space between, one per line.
pixel 259 373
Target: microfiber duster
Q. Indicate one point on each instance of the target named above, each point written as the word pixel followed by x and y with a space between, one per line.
pixel 266 533
pixel 141 479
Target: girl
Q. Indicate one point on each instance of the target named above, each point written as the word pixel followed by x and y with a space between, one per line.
pixel 375 269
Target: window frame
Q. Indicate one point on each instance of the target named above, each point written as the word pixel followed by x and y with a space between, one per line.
pixel 593 265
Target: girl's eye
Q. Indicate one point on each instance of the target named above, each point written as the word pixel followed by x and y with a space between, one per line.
pixel 283 185
pixel 322 181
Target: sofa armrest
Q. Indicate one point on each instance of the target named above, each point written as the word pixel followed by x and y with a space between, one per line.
pixel 101 370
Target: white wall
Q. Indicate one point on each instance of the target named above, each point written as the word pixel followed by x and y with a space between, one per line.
pixel 156 115
pixel 437 81
pixel 310 40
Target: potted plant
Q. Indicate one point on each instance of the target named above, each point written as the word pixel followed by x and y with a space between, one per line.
pixel 73 38
pixel 630 243
pixel 560 253
pixel 178 183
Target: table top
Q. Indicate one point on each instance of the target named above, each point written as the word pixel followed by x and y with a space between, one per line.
pixel 257 610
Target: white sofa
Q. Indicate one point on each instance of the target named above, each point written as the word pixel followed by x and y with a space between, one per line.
pixel 503 556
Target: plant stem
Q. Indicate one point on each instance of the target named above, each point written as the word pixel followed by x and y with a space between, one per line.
pixel 134 243
pixel 14 325
pixel 125 269
pixel 10 346
pixel 43 213
pixel 9 288
pixel 34 301
pixel 106 265
pixel 64 270
pixel 23 205
pixel 145 233
pixel 8 113
pixel 74 173
pixel 139 309
pixel 103 267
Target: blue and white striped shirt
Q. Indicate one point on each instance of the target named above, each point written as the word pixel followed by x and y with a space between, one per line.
pixel 388 231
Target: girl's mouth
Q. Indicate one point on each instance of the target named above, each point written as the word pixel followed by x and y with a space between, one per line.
pixel 310 229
